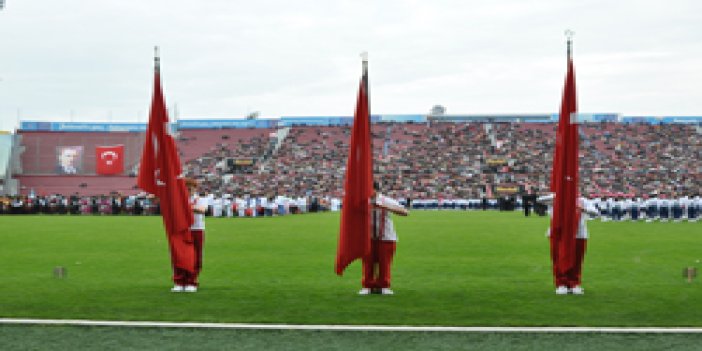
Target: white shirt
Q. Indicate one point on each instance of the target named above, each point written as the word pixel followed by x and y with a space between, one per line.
pixel 335 204
pixel 388 227
pixel 589 211
pixel 199 218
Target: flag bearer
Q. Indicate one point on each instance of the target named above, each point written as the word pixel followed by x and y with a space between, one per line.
pixel 376 266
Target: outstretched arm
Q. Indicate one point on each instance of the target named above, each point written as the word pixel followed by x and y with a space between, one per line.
pixel 586 207
pixel 390 205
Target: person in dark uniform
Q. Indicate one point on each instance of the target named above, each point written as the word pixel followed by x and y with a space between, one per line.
pixel 528 201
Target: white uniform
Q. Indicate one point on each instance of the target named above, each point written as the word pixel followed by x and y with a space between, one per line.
pixel 227 203
pixel 217 206
pixel 240 207
pixel 589 211
pixel 626 208
pixel 697 202
pixel 388 233
pixel 651 209
pixel 199 218
pixel 664 209
pixel 335 204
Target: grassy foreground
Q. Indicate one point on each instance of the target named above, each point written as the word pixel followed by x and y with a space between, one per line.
pixel 452 268
pixel 102 338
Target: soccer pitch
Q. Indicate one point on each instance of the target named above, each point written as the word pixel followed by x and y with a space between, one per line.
pixel 452 268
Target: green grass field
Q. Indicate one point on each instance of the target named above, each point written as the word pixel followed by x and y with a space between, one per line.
pixel 451 269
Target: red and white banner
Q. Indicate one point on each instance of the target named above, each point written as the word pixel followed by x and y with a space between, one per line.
pixel 355 231
pixel 160 174
pixel 109 159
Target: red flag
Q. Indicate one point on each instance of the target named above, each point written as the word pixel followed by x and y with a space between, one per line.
pixel 109 159
pixel 564 178
pixel 355 231
pixel 160 174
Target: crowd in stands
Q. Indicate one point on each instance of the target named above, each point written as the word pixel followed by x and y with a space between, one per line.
pixel 464 160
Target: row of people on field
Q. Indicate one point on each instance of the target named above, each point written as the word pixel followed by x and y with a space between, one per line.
pixel 650 209
pixel 217 206
pixel 78 205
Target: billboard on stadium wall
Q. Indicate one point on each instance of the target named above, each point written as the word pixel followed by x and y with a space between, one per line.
pixel 33 126
pixel 506 189
pixel 640 119
pixel 403 118
pixel 226 123
pixel 496 161
pixel 289 121
pixel 682 119
pixel 496 118
pixel 592 117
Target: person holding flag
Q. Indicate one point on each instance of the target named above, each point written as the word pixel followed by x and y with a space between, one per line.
pixel 570 280
pixel 376 265
pixel 187 281
pixel 566 250
pixel 160 174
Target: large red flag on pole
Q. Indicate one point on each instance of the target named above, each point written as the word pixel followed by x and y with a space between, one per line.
pixel 160 174
pixel 355 231
pixel 564 178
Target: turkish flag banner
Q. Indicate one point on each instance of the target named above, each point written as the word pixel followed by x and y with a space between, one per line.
pixel 109 160
pixel 160 173
pixel 564 181
pixel 355 230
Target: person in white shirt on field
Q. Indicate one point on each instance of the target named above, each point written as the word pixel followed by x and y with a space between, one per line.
pixel 651 208
pixel 187 281
pixel 227 206
pixel 571 282
pixel 335 204
pixel 217 206
pixel 376 266
pixel 663 208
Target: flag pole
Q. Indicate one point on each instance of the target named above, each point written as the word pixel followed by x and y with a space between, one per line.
pixel 569 48
pixel 157 60
pixel 569 37
pixel 364 65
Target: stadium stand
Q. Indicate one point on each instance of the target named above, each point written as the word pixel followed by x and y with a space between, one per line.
pixel 415 160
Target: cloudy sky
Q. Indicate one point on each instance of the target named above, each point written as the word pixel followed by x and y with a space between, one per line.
pixel 92 60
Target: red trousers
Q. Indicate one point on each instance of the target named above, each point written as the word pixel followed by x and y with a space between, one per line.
pixel 185 277
pixel 376 267
pixel 568 277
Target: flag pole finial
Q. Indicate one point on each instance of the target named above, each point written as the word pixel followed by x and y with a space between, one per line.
pixel 569 36
pixel 157 59
pixel 364 59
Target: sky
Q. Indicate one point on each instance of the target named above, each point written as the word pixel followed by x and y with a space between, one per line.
pixel 92 60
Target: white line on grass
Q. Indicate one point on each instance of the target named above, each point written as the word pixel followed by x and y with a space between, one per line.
pixel 399 328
